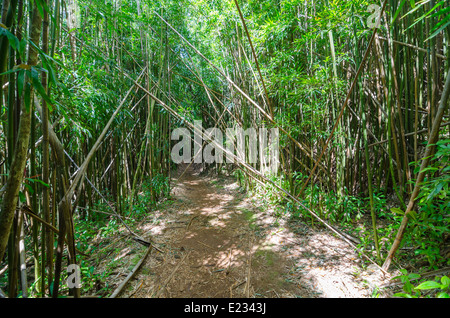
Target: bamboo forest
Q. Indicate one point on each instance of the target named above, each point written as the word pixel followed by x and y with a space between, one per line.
pixel 224 149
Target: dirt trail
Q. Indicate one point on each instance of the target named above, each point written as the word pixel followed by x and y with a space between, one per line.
pixel 218 245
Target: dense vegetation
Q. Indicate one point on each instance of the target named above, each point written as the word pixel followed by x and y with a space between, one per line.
pixel 91 91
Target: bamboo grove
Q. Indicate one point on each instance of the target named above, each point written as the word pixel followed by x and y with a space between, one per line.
pixel 91 91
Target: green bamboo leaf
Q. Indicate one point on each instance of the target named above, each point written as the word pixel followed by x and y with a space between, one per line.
pixel 436 190
pixel 22 197
pixel 397 211
pixel 38 86
pixel 420 19
pixel 441 12
pixel 412 215
pixel 398 11
pixel 14 70
pixel 40 7
pixel 29 188
pixel 13 40
pixel 22 47
pixel 440 29
pixel 39 181
pixel 414 9
pixel 430 169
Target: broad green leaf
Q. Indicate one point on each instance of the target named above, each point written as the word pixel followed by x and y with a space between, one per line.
pixel 445 281
pixel 13 40
pixel 414 276
pixel 428 285
pixel 38 86
pixel 403 295
pixel 440 29
pixel 22 197
pixel 430 169
pixel 14 70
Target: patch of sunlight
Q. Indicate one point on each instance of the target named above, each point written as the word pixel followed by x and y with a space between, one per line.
pixel 331 284
pixel 217 222
pixel 123 254
pixel 190 235
pixel 231 186
pixel 232 257
pixel 156 230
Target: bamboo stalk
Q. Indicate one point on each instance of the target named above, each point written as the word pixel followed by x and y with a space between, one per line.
pixel 250 170
pixel 344 106
pixel 131 274
pixel 434 136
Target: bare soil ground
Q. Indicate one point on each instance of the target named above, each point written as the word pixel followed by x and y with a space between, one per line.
pixel 218 244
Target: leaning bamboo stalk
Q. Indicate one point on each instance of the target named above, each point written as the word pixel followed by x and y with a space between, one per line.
pixel 347 99
pixel 255 57
pixel 94 148
pixel 434 136
pixel 412 47
pixel 131 274
pixel 255 174
pixel 59 149
pixel 304 148
pixel 422 131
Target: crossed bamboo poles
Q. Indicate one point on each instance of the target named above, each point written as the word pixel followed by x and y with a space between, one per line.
pixel 249 169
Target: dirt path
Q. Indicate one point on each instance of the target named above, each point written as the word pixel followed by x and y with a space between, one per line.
pixel 218 244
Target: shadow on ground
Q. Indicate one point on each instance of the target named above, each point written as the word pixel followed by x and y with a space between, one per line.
pixel 218 244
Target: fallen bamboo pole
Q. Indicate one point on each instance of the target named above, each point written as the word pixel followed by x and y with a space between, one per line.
pixel 131 275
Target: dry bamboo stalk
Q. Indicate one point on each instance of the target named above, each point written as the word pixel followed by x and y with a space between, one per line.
pixel 434 136
pixel 131 275
pixel 249 270
pixel 347 99
pixel 411 46
pixel 158 294
pixel 84 165
pixel 255 57
pixel 256 175
pixel 303 148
